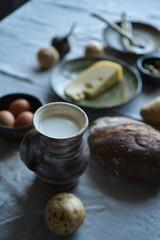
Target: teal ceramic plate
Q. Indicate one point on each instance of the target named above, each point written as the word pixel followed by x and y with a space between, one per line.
pixel 116 96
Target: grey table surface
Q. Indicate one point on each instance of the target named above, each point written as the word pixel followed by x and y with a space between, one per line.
pixel 116 208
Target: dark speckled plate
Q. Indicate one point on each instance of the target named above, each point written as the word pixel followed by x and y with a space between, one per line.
pixel 117 95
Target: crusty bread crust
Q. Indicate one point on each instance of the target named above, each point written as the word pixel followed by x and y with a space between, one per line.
pixel 128 147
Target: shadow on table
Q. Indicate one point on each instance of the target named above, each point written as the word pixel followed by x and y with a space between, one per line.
pixel 40 70
pixel 27 220
pixel 119 187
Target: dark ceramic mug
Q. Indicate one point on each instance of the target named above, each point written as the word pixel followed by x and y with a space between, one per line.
pixel 57 161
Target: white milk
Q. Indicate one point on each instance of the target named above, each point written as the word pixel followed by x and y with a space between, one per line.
pixel 59 126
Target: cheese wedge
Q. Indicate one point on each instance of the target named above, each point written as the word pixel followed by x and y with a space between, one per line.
pixel 94 80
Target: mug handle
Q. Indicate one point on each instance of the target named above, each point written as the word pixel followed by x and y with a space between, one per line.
pixel 26 149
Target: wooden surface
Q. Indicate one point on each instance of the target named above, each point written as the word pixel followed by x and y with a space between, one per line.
pixel 116 208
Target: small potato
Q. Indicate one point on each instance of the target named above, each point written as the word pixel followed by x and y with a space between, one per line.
pixel 151 111
pixel 48 56
pixel 93 47
pixel 64 214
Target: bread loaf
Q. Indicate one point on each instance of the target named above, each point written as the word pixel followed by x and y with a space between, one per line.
pixel 128 147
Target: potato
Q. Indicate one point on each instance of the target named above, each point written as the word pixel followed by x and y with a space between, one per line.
pixel 93 47
pixel 151 111
pixel 48 56
pixel 64 214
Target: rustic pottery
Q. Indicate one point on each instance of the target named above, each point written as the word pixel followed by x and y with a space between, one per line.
pixel 58 162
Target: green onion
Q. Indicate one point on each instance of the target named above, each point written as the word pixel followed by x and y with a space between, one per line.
pixel 127 27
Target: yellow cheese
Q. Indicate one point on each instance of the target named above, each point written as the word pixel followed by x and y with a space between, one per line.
pixel 94 80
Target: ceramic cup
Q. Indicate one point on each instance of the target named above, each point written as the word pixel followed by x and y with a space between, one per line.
pixel 58 156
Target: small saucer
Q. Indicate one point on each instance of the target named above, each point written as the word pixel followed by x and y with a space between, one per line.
pixel 143 33
pixel 147 75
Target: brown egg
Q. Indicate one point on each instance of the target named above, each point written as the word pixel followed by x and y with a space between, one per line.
pixel 19 105
pixel 24 118
pixel 7 118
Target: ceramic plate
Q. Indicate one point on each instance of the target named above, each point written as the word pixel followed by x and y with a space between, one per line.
pixel 144 34
pixel 116 96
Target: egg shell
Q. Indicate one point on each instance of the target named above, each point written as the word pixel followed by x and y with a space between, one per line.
pixel 24 118
pixel 7 118
pixel 18 106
